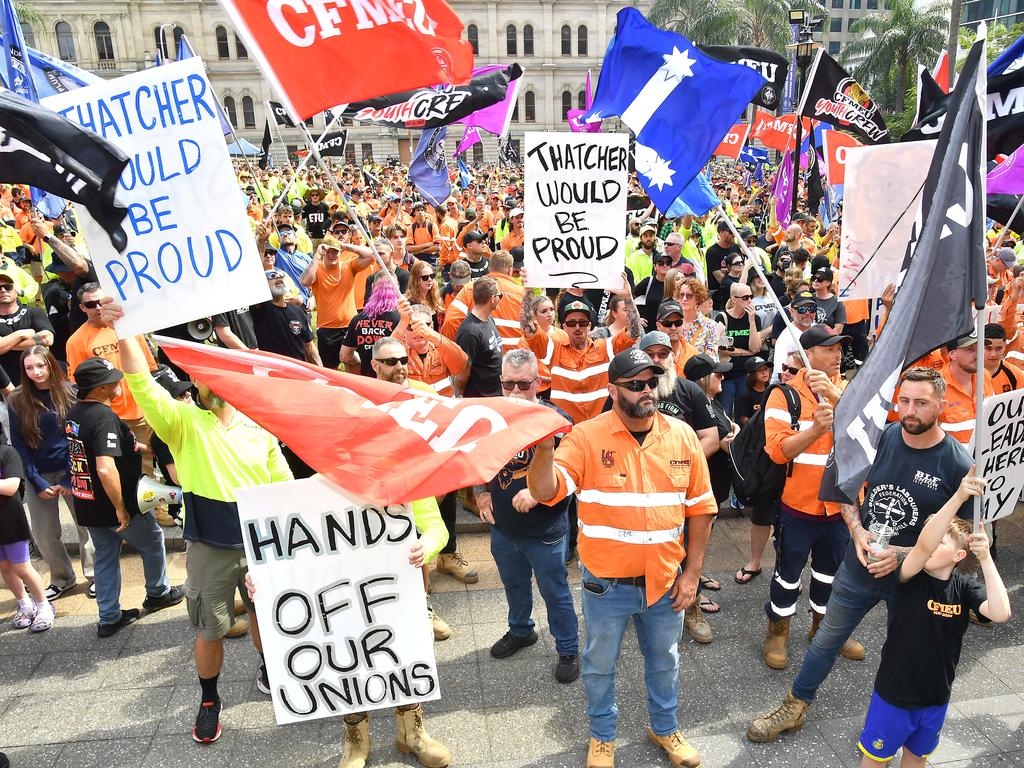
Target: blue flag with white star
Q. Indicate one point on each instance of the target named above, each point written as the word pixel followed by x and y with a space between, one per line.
pixel 678 101
pixel 697 198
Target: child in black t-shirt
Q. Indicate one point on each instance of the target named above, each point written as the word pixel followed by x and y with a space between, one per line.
pixel 927 622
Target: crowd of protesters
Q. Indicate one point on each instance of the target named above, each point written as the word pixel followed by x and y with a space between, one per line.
pixel 719 322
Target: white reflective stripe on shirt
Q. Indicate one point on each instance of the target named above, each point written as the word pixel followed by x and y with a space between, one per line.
pixel 443 384
pixel 549 352
pixel 957 426
pixel 507 342
pixel 586 373
pixel 579 397
pixel 699 499
pixel 781 415
pixel 609 344
pixel 1016 355
pixel 570 486
pixel 817 459
pixel 460 306
pixel 631 499
pixel 630 537
pixel 505 323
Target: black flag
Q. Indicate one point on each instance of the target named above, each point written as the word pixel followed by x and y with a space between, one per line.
pixel 41 148
pixel 281 116
pixel 832 96
pixel 265 154
pixel 943 275
pixel 773 68
pixel 333 144
pixel 815 186
pixel 509 154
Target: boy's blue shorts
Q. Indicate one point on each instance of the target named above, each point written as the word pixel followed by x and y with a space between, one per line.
pixel 888 727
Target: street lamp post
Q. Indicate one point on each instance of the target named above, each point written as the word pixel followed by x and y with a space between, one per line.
pixel 804 50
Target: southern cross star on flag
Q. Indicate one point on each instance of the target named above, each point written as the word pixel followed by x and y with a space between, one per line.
pixel 678 102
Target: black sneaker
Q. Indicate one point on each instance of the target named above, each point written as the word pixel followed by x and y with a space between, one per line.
pixel 510 644
pixel 262 680
pixel 567 669
pixel 129 616
pixel 53 592
pixel 173 596
pixel 207 727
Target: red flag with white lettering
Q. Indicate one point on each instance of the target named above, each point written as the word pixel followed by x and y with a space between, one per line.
pixel 318 54
pixel 776 132
pixel 385 443
pixel 732 143
pixel 837 144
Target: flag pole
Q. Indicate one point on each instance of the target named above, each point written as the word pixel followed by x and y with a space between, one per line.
pixel 277 129
pixel 1006 226
pixel 979 321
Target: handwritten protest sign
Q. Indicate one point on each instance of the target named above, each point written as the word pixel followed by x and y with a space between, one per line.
pixel 575 202
pixel 1002 454
pixel 882 189
pixel 191 250
pixel 342 613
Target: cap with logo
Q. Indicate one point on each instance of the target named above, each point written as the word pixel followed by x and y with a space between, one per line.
pixel 803 298
pixel 95 372
pixel 633 361
pixel 654 339
pixel 667 308
pixel 963 342
pixel 756 363
pixel 699 366
pixel 474 237
pixel 820 335
pixel 823 274
pixel 576 306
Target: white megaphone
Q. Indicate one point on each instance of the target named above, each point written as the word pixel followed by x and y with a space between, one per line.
pixel 152 494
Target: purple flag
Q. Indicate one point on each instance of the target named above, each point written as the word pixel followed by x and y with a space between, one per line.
pixel 469 138
pixel 495 118
pixel 1007 178
pixel 573 115
pixel 782 190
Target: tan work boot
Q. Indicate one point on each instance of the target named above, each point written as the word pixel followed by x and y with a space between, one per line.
pixel 697 625
pixel 601 754
pixel 441 629
pixel 851 648
pixel 163 517
pixel 776 650
pixel 413 739
pixel 357 744
pixel 455 565
pixel 788 717
pixel 240 609
pixel 680 753
pixel 239 629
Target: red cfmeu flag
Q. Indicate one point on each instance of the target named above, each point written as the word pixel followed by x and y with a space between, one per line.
pixel 384 443
pixel 776 132
pixel 732 143
pixel 363 48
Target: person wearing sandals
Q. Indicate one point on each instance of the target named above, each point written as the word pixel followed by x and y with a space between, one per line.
pixel 34 611
pixel 37 409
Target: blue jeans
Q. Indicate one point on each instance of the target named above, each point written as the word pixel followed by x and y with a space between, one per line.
pixel 852 597
pixel 658 628
pixel 519 556
pixel 146 538
pixel 731 389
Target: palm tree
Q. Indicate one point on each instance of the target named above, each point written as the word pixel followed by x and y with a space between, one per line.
pixel 27 14
pixel 760 23
pixel 891 44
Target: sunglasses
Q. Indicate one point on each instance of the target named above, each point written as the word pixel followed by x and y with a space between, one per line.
pixel 791 370
pixel 806 310
pixel 391 362
pixel 508 386
pixel 576 324
pixel 671 323
pixel 90 304
pixel 684 296
pixel 664 262
pixel 9 287
pixel 639 385
pixel 427 277
pixel 746 297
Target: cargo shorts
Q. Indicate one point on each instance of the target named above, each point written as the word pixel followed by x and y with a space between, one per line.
pixel 213 577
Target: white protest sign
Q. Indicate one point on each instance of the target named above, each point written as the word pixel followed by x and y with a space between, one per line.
pixel 1002 454
pixel 880 201
pixel 191 250
pixel 342 613
pixel 576 190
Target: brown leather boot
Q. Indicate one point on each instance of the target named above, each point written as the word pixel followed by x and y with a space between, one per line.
pixel 776 650
pixel 851 648
pixel 790 716
pixel 680 753
pixel 413 739
pixel 601 754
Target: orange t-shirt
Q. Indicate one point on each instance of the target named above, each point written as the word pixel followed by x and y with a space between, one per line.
pixel 89 341
pixel 335 294
pixel 512 240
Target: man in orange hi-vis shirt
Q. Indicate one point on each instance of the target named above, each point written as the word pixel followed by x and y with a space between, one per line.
pixel 640 477
pixel 808 527
pixel 507 314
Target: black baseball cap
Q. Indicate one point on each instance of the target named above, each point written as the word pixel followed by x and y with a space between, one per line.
pixel 803 297
pixel 994 331
pixel 756 363
pixel 820 335
pixel 667 308
pixel 699 366
pixel 376 217
pixel 823 274
pixel 95 372
pixel 474 237
pixel 631 362
pixel 576 306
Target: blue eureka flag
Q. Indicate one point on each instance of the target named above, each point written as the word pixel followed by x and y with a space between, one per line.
pixel 429 169
pixel 698 198
pixel 15 54
pixel 753 155
pixel 185 52
pixel 677 101
pixel 465 177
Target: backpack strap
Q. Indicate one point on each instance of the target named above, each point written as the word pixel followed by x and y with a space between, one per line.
pixel 793 401
pixel 1010 376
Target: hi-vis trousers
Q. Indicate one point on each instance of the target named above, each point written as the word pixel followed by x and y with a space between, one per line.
pixel 824 539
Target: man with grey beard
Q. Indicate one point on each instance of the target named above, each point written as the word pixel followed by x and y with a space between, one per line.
pixel 281 326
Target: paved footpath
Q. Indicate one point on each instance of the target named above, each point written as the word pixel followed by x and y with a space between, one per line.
pixel 71 700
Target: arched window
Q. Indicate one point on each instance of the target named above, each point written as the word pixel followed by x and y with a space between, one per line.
pixel 566 40
pixel 478 153
pixel 309 122
pixel 566 103
pixel 240 50
pixel 104 43
pixel 581 100
pixel 163 45
pixel 30 36
pixel 528 40
pixel 581 42
pixel 473 35
pixel 515 112
pixel 176 36
pixel 223 52
pixel 510 40
pixel 530 100
pixel 229 107
pixel 248 112
pixel 65 41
